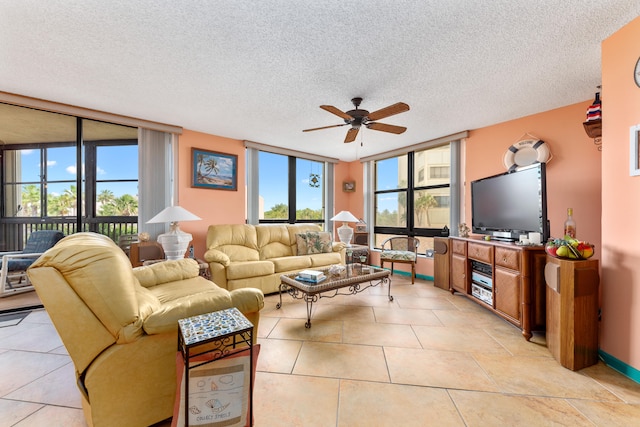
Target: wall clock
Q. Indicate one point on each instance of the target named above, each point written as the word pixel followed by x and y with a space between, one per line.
pixel 636 73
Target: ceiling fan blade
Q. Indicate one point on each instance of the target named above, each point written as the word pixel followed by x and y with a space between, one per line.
pixel 324 127
pixel 336 111
pixel 396 108
pixel 386 128
pixel 351 135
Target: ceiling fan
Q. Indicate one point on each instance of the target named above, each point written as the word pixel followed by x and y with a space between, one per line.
pixel 357 118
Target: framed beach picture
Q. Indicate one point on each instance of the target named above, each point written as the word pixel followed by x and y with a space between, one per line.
pixel 218 171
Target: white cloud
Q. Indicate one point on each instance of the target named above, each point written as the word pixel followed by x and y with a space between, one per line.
pixel 101 171
pixel 51 162
pixel 71 169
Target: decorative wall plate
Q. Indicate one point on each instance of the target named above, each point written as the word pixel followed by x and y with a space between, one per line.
pixel 525 153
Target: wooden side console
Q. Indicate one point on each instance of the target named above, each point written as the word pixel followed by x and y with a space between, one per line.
pixel 506 278
pixel 572 311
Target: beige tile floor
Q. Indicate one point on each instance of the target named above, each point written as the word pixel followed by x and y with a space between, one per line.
pixel 427 358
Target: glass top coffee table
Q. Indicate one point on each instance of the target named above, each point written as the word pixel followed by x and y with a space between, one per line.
pixel 347 282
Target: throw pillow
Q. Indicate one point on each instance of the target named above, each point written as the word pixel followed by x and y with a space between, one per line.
pixel 314 242
pixel 301 242
pixel 318 242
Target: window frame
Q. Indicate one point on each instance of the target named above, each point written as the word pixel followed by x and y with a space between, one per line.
pixel 453 185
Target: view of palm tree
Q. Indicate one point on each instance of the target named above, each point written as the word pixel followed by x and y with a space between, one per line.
pixel 65 204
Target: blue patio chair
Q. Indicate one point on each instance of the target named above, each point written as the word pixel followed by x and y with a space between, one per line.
pixel 13 265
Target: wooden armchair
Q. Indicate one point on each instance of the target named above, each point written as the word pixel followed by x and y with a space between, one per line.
pixel 403 250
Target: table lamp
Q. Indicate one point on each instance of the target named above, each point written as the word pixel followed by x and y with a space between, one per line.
pixel 175 242
pixel 345 233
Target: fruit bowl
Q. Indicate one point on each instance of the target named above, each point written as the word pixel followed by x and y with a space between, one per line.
pixel 569 248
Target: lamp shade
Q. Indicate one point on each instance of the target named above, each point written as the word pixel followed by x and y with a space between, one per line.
pixel 345 216
pixel 173 214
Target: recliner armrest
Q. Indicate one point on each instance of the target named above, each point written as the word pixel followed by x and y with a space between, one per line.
pixel 166 271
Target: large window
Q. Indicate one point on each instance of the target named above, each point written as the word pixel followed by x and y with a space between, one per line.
pixel 63 172
pixel 412 195
pixel 287 186
pixel 291 189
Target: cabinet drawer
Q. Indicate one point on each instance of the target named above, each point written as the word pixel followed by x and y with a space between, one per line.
pixel 508 258
pixel 481 252
pixel 459 247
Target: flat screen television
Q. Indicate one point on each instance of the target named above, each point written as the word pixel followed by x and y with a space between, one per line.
pixel 510 204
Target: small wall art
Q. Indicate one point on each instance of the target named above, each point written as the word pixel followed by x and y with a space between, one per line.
pixel 217 171
pixel 349 186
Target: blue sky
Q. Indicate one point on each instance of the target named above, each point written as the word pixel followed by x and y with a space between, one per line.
pixel 118 162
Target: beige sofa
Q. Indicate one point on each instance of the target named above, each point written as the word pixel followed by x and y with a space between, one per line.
pixel 120 325
pixel 243 255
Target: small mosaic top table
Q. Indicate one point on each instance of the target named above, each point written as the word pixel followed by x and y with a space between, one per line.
pixel 218 335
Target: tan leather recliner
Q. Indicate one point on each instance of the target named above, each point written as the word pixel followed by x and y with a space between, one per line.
pixel 120 324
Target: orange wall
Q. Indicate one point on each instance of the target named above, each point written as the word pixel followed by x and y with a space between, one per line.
pixel 620 280
pixel 213 206
pixel 573 173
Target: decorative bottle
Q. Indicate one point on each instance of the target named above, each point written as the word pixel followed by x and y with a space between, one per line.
pixel 570 224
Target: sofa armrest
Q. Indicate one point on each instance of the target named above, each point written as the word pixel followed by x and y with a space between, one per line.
pixel 338 246
pixel 342 249
pixel 214 255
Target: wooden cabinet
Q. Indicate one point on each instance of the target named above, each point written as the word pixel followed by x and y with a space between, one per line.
pixel 503 277
pixel 441 262
pixel 572 311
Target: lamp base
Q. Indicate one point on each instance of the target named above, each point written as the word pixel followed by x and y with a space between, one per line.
pixel 345 233
pixel 175 243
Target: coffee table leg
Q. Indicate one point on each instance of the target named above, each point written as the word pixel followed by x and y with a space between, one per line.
pixel 388 279
pixel 310 299
pixel 278 305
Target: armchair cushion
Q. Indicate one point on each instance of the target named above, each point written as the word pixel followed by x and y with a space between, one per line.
pixel 180 300
pixel 393 255
pixel 242 270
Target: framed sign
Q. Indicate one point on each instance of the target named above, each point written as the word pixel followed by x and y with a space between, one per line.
pixel 634 152
pixel 217 171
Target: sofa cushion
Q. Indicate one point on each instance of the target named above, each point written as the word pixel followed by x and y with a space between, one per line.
pixel 273 241
pixel 291 263
pixel 238 241
pixel 243 270
pixel 314 242
pixel 322 260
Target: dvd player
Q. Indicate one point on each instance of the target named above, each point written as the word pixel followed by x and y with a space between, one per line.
pixel 481 279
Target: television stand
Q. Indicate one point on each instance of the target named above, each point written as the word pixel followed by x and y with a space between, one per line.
pixel 515 288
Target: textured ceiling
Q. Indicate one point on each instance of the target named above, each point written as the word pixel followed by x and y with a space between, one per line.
pixel 259 70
